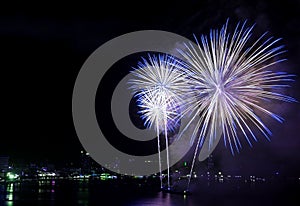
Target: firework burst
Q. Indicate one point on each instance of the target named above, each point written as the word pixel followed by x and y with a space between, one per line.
pixel 229 85
pixel 158 110
pixel 163 75
pixel 159 85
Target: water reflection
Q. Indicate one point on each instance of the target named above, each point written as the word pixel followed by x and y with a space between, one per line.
pixel 83 193
pixel 10 192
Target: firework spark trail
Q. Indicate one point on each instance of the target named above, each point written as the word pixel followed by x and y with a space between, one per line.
pixel 154 109
pixel 159 156
pixel 227 84
pixel 159 85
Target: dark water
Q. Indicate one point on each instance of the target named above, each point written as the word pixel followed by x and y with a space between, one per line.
pixel 79 192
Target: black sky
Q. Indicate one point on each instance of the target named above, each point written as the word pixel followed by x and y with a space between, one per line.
pixel 44 47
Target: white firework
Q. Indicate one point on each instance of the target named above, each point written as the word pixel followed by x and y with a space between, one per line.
pixel 159 84
pixel 230 83
pixel 163 74
pixel 158 110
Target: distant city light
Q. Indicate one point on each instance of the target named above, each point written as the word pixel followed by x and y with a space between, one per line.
pixel 47 174
pixel 12 176
pixel 106 176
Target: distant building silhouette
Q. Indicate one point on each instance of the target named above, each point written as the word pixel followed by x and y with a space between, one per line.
pixel 4 160
pixel 85 162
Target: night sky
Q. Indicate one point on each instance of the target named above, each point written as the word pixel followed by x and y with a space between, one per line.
pixel 43 49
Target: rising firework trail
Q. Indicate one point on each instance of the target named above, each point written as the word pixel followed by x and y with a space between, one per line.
pixel 153 112
pixel 229 85
pixel 159 84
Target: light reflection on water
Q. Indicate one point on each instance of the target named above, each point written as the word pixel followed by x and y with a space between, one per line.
pixel 51 192
pixel 10 192
pixel 84 193
pixel 161 199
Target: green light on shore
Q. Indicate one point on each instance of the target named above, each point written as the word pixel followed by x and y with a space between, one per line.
pixel 11 176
